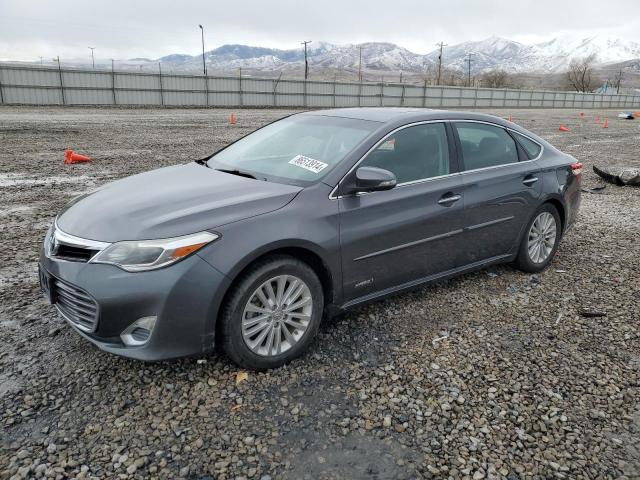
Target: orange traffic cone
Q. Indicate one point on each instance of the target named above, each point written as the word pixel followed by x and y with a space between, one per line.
pixel 71 157
pixel 232 119
pixel 510 119
pixel 605 124
pixel 563 128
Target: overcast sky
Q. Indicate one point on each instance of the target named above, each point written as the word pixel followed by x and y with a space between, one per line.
pixel 153 28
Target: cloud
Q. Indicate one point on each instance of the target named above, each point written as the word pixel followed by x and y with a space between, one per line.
pixel 152 28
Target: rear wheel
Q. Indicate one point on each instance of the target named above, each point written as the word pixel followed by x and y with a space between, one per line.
pixel 272 314
pixel 540 241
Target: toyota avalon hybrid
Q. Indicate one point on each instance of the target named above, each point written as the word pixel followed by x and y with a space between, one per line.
pixel 315 213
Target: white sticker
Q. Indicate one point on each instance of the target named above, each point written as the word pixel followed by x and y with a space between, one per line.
pixel 315 166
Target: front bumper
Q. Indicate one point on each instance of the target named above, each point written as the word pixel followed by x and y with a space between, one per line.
pixel 185 298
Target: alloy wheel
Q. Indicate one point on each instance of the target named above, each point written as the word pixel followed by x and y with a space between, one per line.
pixel 277 315
pixel 542 237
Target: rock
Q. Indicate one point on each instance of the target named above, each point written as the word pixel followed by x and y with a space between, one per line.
pixel 479 474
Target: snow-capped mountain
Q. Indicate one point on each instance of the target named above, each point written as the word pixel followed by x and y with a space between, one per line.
pixel 559 51
pixel 552 56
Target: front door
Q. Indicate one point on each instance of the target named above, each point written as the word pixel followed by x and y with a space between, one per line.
pixel 402 235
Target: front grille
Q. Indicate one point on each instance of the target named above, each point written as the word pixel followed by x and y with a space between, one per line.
pixel 74 254
pixel 76 305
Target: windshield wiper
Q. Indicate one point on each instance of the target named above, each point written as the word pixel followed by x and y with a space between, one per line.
pixel 237 172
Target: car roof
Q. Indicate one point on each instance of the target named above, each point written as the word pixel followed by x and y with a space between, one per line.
pixel 398 116
pixel 405 114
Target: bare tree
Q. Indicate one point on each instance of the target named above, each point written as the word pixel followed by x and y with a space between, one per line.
pixel 617 80
pixel 496 79
pixel 580 76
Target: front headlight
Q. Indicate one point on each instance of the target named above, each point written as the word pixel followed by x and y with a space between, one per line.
pixel 141 255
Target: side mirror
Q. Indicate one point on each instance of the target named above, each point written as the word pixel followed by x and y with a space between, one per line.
pixel 370 179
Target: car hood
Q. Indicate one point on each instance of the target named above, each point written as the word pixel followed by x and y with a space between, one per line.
pixel 170 202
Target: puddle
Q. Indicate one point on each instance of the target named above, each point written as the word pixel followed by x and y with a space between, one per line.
pixel 17 179
pixel 16 210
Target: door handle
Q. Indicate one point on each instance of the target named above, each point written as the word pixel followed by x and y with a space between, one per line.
pixel 449 199
pixel 528 181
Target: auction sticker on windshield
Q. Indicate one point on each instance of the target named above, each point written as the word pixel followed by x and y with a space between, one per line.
pixel 315 166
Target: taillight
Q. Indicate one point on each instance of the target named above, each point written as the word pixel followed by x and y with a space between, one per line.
pixel 576 168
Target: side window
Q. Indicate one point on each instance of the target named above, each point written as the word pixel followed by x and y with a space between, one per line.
pixel 413 153
pixel 485 145
pixel 531 148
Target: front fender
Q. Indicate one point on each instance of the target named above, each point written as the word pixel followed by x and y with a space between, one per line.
pixel 306 223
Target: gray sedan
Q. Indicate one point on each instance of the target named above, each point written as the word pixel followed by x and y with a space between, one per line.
pixel 321 211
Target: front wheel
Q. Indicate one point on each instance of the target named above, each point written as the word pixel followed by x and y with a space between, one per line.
pixel 272 314
pixel 540 241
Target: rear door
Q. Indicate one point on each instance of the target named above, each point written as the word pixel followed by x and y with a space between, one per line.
pixel 501 188
pixel 393 237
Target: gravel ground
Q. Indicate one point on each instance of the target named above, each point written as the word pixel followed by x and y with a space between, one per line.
pixel 495 374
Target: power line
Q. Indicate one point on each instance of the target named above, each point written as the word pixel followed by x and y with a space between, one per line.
pixel 306 63
pixel 441 45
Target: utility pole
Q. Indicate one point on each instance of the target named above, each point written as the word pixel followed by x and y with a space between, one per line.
pixel 41 63
pixel 204 65
pixel 468 60
pixel 93 62
pixel 306 63
pixel 400 76
pixel 360 66
pixel 441 45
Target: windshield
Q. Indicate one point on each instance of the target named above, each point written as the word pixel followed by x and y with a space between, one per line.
pixel 300 149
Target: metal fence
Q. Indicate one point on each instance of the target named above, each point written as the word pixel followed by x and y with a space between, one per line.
pixel 22 85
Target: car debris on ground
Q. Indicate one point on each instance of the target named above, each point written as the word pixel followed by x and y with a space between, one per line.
pixel 619 175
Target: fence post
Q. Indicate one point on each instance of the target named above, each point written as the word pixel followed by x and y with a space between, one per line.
pixel 360 93
pixel 460 96
pixel 160 79
pixel 381 93
pixel 1 94
pixel 113 83
pixel 240 86
pixel 64 101
pixel 206 90
pixel 402 96
pixel 275 88
pixel 334 90
pixel 424 94
pixel 304 93
pixel 441 96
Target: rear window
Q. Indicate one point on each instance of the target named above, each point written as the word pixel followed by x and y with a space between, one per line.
pixel 530 147
pixel 485 145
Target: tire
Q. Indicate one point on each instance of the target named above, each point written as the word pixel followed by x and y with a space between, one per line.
pixel 524 260
pixel 245 305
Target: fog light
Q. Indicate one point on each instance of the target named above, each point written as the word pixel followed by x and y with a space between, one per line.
pixel 139 332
